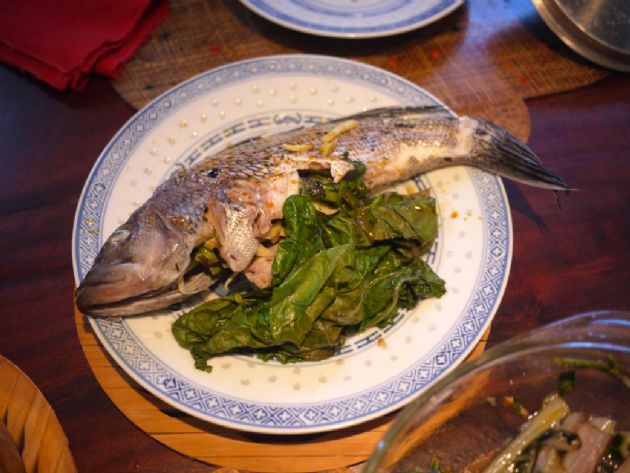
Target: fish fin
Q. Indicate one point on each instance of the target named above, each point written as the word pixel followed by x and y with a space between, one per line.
pixel 397 111
pixel 297 128
pixel 248 140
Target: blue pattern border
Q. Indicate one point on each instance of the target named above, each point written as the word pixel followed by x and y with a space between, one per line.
pixel 353 23
pixel 202 402
pixel 382 8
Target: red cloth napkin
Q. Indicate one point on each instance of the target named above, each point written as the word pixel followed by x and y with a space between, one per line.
pixel 63 41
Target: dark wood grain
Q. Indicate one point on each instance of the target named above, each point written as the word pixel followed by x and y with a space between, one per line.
pixel 566 260
pixel 574 258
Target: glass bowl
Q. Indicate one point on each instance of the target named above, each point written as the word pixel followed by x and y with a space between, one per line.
pixel 464 420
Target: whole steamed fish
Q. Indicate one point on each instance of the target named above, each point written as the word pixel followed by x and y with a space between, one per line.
pixel 233 197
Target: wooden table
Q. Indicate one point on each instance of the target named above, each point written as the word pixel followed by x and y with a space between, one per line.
pixel 566 260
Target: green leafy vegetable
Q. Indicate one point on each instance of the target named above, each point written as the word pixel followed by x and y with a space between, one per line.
pixel 515 404
pixel 618 452
pixel 331 276
pixel 553 411
pixel 434 467
pixel 566 382
pixel 611 367
pixel 207 258
pixel 304 237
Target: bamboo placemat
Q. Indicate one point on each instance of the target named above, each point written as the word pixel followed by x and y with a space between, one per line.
pixel 484 59
pixel 227 448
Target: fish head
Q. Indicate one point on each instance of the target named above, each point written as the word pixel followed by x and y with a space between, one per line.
pixel 143 255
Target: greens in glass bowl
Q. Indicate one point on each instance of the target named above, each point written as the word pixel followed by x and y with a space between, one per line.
pixel 556 399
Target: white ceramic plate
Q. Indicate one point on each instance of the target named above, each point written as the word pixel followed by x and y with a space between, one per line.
pixel 353 18
pixel 367 379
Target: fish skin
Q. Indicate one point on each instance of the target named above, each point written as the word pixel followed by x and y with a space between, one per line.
pixel 234 195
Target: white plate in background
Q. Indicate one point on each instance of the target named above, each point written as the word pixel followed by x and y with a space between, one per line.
pixel 352 18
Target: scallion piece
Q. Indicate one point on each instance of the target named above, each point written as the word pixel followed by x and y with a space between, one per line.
pixel 553 411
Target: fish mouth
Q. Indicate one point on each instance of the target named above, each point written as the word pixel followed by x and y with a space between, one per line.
pixel 90 300
pixel 104 285
pixel 136 305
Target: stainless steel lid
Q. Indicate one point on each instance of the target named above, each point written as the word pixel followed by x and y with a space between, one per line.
pixel 599 30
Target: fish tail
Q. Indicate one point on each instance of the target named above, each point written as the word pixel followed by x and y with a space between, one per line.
pixel 497 151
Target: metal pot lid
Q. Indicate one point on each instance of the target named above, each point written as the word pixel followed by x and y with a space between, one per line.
pixel 599 30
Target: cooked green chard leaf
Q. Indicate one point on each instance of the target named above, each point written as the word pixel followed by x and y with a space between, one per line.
pixel 515 404
pixel 559 439
pixel 621 445
pixel 611 367
pixel 331 276
pixel 618 452
pixel 525 461
pixel 392 215
pixel 566 382
pixel 351 192
pixel 292 311
pixel 434 467
pixel 539 456
pixel 263 319
pixel 542 455
pixel 342 228
pixel 320 189
pixel 554 410
pixel 208 258
pixel 304 237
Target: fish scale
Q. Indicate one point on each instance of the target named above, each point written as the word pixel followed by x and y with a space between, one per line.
pixel 233 196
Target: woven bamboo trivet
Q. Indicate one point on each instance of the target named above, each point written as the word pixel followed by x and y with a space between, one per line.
pixel 225 447
pixel 483 59
pixel 32 424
